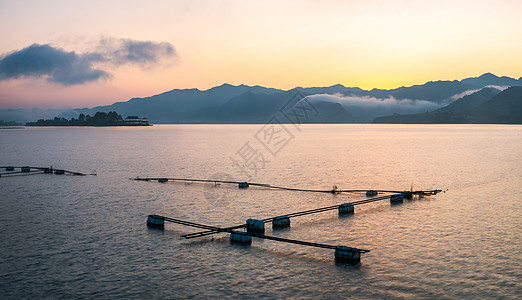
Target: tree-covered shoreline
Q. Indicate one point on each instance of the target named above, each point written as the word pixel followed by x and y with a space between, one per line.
pixel 98 119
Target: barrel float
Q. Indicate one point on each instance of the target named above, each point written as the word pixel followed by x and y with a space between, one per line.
pixel 243 185
pixel 396 198
pixel 371 193
pixel 155 220
pixel 254 225
pixel 59 172
pixel 9 168
pixel 48 171
pixel 26 169
pixel 346 208
pixel 347 255
pixel 163 180
pixel 240 237
pixel 280 222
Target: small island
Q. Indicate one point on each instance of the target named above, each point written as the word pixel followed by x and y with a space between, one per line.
pixel 99 119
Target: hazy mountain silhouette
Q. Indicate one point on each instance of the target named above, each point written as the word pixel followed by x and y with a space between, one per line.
pixel 248 107
pixel 173 106
pixel 485 106
pixel 252 107
pixel 256 104
pixel 240 104
pixel 504 108
pixel 434 91
pixel 491 79
pixel 334 89
pixel 467 103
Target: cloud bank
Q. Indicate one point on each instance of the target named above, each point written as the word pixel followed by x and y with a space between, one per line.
pixel 366 108
pixel 71 68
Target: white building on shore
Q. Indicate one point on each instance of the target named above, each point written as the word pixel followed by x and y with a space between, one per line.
pixel 136 121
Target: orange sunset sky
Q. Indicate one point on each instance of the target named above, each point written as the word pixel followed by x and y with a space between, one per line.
pixel 280 44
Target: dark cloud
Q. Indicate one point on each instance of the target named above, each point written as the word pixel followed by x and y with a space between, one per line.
pixel 124 51
pixel 57 65
pixel 69 68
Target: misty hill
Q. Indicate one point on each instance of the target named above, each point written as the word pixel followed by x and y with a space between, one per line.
pixel 247 104
pixel 334 89
pixel 490 79
pixel 259 108
pixel 175 104
pixel 504 108
pixel 433 91
pixel 256 104
pixel 467 103
pixel 442 91
pixel 485 106
pixel 248 107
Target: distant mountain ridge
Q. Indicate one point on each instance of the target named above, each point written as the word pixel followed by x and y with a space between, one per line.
pixel 487 106
pixel 469 102
pixel 491 79
pixel 175 104
pixel 505 108
pixel 256 104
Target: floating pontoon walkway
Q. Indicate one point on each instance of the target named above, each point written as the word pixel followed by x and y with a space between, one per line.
pixel 11 170
pixel 244 184
pixel 256 228
pixel 284 220
pixel 342 253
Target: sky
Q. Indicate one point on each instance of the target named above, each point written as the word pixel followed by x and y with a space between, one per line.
pixel 72 54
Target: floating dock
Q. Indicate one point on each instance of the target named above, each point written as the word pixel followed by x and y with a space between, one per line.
pixel 284 220
pixel 256 228
pixel 245 184
pixel 26 170
pixel 342 253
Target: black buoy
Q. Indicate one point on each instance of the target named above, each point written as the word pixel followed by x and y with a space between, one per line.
pixel 9 168
pixel 371 193
pixel 155 220
pixel 396 198
pixel 240 238
pixel 347 255
pixel 254 225
pixel 243 185
pixel 281 222
pixel 163 180
pixel 59 172
pixel 346 208
pixel 26 169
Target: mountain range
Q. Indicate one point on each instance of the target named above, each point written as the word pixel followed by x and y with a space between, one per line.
pixel 488 105
pixel 486 98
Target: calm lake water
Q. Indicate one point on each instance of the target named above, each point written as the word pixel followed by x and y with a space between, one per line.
pixel 86 237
